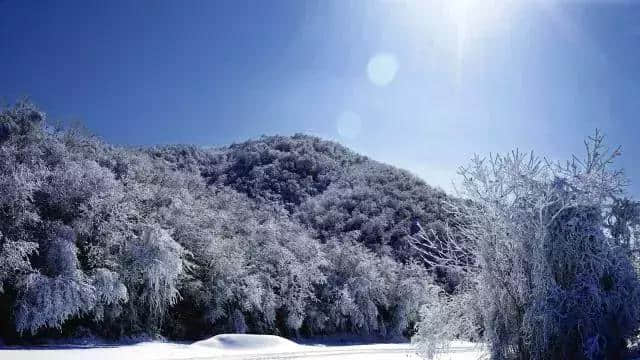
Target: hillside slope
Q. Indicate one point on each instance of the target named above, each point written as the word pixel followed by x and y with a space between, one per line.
pixel 294 236
pixel 322 185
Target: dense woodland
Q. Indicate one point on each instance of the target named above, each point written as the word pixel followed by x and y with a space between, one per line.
pixel 301 237
pixel 294 236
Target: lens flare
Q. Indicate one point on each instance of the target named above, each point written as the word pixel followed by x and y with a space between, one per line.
pixel 382 69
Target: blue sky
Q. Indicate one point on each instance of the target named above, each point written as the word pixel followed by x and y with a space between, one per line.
pixel 418 84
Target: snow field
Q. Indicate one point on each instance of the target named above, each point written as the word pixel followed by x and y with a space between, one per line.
pixel 236 347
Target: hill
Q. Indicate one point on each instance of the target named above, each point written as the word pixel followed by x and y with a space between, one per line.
pixel 294 236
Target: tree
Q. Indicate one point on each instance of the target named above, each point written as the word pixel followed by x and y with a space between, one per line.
pixel 153 266
pixel 58 294
pixel 14 259
pixel 549 282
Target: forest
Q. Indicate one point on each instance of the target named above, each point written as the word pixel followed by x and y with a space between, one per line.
pixel 294 236
pixel 301 237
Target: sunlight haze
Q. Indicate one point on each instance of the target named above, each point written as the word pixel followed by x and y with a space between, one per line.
pixel 418 84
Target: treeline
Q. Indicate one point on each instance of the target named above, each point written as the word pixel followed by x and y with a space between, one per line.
pixel 293 236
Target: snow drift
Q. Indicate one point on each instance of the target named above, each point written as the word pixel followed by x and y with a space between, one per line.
pixel 247 342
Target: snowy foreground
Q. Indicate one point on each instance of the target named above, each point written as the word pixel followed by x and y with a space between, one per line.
pixel 237 347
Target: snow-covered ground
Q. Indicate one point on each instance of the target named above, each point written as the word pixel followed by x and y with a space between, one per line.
pixel 236 347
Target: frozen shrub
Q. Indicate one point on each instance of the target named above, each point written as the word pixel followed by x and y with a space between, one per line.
pixel 442 318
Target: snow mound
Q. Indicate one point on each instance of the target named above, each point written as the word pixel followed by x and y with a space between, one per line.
pixel 248 342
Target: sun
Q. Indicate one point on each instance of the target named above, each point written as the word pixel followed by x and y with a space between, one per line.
pixel 469 19
pixel 461 22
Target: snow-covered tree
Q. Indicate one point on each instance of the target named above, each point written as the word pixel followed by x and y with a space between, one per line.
pixel 60 292
pixel 233 286
pixel 365 294
pixel 50 301
pixel 548 281
pixel 111 294
pixel 153 266
pixel 14 259
pixel 23 120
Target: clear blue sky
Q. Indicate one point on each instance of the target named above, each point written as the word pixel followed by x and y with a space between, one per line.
pixel 421 85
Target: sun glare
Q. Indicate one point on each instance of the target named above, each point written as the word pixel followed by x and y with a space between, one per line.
pixel 460 21
pixel 478 14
